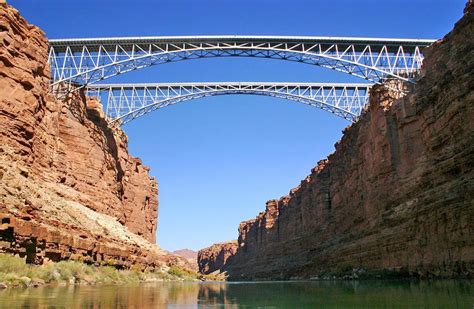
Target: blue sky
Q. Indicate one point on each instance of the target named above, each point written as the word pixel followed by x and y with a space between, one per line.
pixel 219 159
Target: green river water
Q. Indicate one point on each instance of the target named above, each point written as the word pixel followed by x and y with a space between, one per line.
pixel 302 294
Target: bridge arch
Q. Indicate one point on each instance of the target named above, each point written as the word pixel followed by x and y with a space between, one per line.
pixel 86 61
pixel 126 102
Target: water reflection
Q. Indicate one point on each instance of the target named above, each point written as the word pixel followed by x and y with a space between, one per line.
pixel 259 294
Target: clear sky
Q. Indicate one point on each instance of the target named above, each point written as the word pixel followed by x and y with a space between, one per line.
pixel 219 159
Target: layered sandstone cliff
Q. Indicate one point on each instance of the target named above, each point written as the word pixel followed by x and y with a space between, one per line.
pixel 68 143
pixel 69 189
pixel 397 195
pixel 216 257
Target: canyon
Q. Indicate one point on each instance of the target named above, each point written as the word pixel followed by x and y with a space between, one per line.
pixel 69 189
pixel 395 199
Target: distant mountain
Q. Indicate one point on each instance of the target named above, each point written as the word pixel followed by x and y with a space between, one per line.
pixel 187 253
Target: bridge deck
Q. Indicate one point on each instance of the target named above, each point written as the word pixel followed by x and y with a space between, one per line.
pixel 215 84
pixel 60 45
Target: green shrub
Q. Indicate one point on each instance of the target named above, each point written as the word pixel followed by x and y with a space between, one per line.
pixel 13 264
pixel 69 270
pixel 182 273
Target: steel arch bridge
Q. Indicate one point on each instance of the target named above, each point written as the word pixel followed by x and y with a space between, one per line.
pixel 126 102
pixel 79 62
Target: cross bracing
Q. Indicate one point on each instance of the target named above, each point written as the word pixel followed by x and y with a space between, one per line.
pixel 126 102
pixel 80 62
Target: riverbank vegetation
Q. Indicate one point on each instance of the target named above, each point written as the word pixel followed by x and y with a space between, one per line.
pixel 14 272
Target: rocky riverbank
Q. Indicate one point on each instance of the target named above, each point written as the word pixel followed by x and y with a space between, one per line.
pixel 15 273
pixel 395 199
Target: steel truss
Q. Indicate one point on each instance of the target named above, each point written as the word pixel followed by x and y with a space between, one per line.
pixel 126 102
pixel 80 62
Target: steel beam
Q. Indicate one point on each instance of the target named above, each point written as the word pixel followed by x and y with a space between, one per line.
pixel 79 62
pixel 126 102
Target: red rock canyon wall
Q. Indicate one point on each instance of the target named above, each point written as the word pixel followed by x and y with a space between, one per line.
pixel 68 186
pixel 216 257
pixel 397 195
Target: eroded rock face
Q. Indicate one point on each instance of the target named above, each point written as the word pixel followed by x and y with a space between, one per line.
pixel 189 255
pixel 58 153
pixel 397 195
pixel 216 257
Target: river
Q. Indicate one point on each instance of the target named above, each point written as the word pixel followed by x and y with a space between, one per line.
pixel 302 294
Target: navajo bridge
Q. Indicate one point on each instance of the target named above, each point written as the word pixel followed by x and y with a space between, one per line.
pixel 85 63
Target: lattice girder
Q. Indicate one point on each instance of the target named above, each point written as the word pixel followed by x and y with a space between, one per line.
pixel 126 102
pixel 86 61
